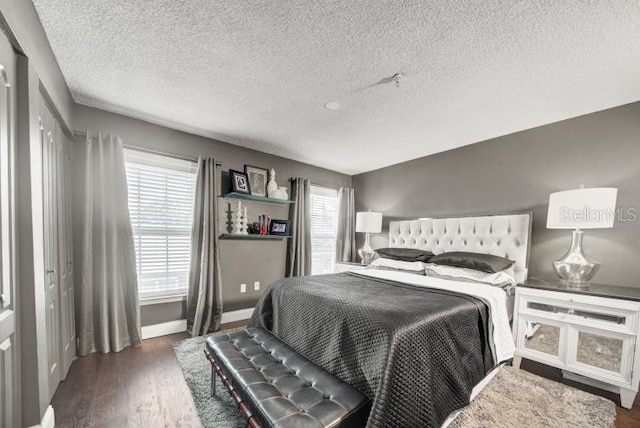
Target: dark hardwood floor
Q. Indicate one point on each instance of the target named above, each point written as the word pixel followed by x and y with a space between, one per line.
pixel 625 418
pixel 143 386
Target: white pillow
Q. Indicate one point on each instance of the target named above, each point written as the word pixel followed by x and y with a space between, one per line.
pixel 382 263
pixel 505 277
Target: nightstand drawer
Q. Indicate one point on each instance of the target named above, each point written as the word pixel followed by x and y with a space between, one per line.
pixel 580 311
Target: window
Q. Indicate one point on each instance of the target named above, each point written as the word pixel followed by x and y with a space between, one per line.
pixel 324 224
pixel 161 194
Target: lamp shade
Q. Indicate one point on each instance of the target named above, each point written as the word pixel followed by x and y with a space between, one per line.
pixel 592 208
pixel 369 222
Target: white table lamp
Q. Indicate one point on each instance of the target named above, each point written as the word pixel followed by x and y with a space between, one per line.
pixel 368 222
pixel 580 209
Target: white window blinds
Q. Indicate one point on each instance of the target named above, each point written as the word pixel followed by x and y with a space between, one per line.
pixel 161 195
pixel 324 223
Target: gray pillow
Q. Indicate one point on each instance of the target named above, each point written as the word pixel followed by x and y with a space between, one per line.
pixel 478 261
pixel 405 254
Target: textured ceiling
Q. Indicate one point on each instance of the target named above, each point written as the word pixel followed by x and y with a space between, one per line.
pixel 257 74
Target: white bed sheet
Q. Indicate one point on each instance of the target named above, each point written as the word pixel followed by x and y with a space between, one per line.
pixel 495 296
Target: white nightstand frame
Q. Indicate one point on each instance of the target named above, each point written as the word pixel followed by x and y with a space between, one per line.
pixel 625 382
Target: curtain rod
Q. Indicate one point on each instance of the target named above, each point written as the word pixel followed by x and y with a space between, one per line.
pixel 151 151
pixel 313 183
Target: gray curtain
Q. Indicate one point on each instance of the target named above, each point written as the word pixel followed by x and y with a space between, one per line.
pixel 299 246
pixel 204 301
pixel 108 315
pixel 346 237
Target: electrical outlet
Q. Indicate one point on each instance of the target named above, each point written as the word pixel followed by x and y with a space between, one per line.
pixel 256 286
pixel 243 288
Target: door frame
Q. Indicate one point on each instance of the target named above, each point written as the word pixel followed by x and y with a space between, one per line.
pixel 9 303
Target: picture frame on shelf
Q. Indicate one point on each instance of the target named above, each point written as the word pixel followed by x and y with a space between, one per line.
pixel 257 180
pixel 239 182
pixel 279 227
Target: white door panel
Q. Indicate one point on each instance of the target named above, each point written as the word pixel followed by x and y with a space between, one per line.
pixel 6 377
pixel 65 255
pixel 9 403
pixel 52 272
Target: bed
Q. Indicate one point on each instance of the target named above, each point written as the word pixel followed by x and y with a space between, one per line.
pixel 419 347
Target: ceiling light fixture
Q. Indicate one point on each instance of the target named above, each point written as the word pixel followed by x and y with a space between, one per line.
pixel 396 78
pixel 332 105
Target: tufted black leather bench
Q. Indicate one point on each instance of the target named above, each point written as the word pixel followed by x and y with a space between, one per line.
pixel 274 386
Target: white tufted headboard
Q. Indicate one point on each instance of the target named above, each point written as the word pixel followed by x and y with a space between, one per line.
pixel 501 235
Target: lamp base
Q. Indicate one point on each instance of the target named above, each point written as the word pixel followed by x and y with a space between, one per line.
pixel 574 269
pixel 366 253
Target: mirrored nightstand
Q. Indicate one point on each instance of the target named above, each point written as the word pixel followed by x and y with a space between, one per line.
pixel 591 332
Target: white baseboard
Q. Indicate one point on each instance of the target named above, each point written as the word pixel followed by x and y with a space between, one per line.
pixel 163 329
pixel 178 326
pixel 233 316
pixel 48 420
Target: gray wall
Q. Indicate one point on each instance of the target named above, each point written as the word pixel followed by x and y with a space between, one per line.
pixel 161 312
pixel 517 172
pixel 242 261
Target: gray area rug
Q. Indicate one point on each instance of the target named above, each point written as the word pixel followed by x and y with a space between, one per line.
pixel 215 412
pixel 514 398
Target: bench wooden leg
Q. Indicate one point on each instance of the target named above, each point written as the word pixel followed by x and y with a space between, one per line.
pixel 214 375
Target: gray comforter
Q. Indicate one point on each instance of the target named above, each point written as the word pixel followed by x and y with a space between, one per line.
pixel 416 353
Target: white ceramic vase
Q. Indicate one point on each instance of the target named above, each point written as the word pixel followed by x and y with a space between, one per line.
pixel 272 186
pixel 281 193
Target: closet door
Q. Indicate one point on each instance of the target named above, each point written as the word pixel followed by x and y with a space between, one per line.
pixel 50 203
pixel 65 254
pixel 9 404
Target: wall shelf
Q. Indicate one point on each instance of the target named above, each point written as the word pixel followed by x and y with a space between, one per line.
pixel 246 197
pixel 255 237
